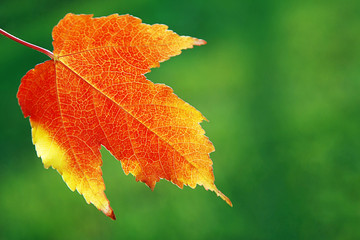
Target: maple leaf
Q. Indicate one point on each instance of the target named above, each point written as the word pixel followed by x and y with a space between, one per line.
pixel 93 92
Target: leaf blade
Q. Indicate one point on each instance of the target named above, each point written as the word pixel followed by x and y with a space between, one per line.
pixel 94 93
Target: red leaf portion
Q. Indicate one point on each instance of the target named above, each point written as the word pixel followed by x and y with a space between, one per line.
pixel 94 93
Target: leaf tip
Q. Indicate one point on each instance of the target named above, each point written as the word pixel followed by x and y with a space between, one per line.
pixel 151 185
pixel 223 197
pixel 109 212
pixel 112 216
pixel 199 42
pixel 227 200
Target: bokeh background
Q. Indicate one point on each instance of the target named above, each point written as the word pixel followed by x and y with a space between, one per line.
pixel 279 82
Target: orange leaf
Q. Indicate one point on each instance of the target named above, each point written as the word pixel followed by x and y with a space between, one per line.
pixel 94 92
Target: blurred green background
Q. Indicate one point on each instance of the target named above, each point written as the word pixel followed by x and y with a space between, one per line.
pixel 279 82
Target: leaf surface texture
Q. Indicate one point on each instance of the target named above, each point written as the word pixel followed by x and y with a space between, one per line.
pixel 94 93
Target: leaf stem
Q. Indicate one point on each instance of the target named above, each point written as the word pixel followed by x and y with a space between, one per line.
pixel 37 48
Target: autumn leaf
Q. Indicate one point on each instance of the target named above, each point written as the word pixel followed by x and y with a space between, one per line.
pixel 93 92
